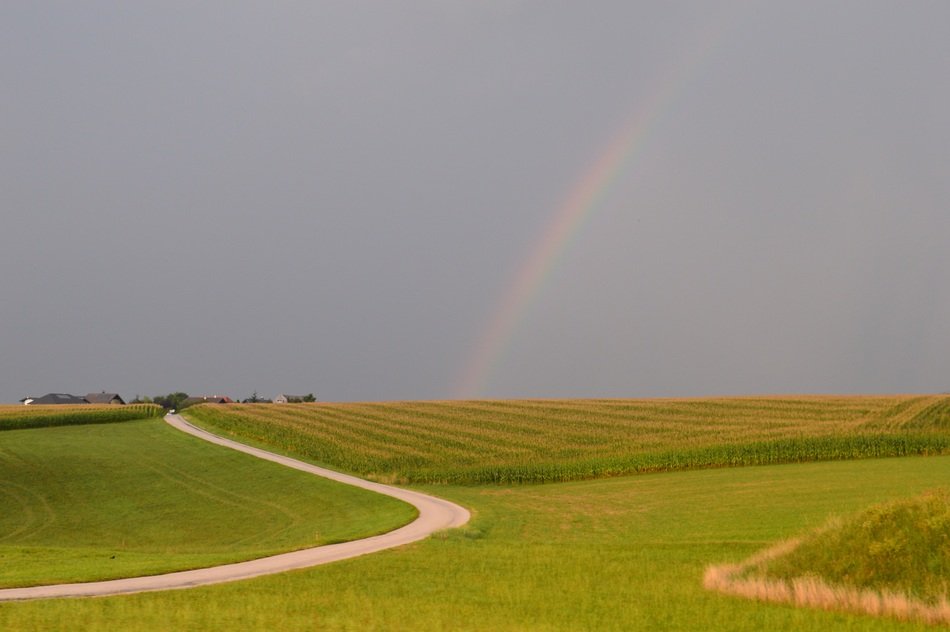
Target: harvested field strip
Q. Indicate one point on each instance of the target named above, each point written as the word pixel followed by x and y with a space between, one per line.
pixel 437 433
pixel 902 412
pixel 701 418
pixel 471 429
pixel 434 431
pixel 527 431
pixel 395 433
pixel 22 417
pixel 529 423
pixel 264 429
pixel 936 416
pixel 402 431
pixel 547 440
pixel 336 445
pixel 487 415
pixel 343 432
pixel 667 422
pixel 701 410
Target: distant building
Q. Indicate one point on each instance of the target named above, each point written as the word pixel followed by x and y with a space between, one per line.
pixel 104 398
pixel 292 399
pixel 206 399
pixel 55 398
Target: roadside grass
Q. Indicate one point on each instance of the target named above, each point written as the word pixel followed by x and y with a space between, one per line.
pixel 90 502
pixel 612 554
pixel 528 441
pixel 21 417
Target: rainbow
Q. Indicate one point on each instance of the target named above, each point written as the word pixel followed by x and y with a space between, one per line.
pixel 580 203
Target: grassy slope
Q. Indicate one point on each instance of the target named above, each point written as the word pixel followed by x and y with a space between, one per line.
pixel 901 547
pixel 613 554
pixel 112 500
pixel 555 440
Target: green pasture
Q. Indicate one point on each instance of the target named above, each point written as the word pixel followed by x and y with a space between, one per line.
pixel 101 501
pixel 613 554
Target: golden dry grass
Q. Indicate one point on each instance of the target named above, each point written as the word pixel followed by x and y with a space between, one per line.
pixel 813 592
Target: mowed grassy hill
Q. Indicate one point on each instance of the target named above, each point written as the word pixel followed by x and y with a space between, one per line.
pixel 105 500
pixel 473 442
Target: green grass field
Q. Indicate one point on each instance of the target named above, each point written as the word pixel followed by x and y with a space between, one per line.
pixel 102 501
pixel 616 553
pixel 556 440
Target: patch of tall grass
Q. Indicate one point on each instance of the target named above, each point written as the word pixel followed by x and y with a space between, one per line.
pixel 901 546
pixel 891 559
pixel 20 417
pixel 528 441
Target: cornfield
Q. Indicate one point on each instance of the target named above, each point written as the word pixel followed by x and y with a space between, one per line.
pixel 470 442
pixel 19 417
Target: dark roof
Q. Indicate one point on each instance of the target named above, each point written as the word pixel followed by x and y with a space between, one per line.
pixel 103 398
pixel 212 399
pixel 59 398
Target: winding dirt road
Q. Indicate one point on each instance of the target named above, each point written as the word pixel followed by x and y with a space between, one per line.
pixel 435 514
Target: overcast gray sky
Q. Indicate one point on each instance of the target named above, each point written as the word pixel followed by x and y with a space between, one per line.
pixel 334 197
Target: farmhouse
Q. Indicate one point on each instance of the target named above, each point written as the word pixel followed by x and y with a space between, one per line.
pixel 209 399
pixel 104 398
pixel 292 399
pixel 55 398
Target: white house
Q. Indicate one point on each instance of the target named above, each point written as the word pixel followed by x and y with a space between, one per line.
pixel 292 399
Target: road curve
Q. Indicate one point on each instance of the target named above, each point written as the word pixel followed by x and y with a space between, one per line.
pixel 434 514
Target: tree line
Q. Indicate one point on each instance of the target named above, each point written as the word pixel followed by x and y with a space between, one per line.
pixel 179 400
